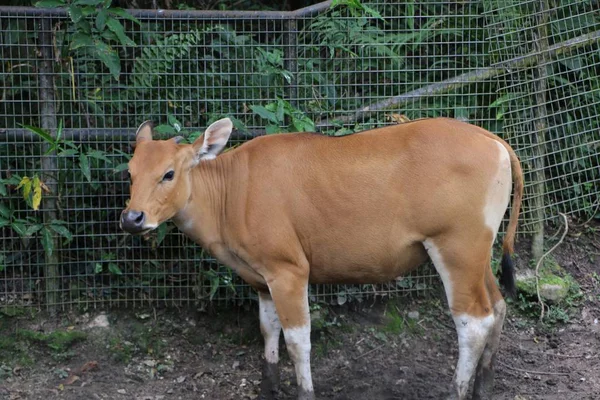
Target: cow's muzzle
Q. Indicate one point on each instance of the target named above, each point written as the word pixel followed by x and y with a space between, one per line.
pixel 133 221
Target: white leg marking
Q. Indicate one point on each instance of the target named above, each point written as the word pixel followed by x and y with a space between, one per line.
pixel 297 340
pixel 436 257
pixel 498 195
pixel 473 334
pixel 270 327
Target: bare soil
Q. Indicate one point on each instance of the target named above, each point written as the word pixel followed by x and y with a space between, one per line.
pixel 362 351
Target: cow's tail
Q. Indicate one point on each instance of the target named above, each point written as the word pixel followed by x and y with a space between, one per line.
pixel 507 279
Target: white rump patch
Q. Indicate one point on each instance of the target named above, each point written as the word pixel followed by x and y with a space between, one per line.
pixel 498 195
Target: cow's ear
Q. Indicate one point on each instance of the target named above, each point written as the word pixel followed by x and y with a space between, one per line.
pixel 144 132
pixel 213 140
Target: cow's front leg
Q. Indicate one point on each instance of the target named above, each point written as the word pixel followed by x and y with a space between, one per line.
pixel 271 330
pixel 289 290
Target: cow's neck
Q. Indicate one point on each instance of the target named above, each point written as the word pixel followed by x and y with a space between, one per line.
pixel 203 217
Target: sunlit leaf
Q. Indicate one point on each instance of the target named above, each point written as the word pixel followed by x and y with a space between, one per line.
pixel 37 193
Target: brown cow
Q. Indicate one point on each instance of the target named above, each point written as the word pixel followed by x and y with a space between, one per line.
pixel 287 210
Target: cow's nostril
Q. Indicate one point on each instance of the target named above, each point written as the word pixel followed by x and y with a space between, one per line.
pixel 133 221
pixel 140 218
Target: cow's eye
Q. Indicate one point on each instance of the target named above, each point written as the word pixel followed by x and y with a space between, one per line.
pixel 168 176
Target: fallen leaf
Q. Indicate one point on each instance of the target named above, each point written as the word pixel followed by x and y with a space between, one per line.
pixel 70 380
pixel 89 366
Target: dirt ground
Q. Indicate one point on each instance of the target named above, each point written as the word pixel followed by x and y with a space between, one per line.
pixel 360 351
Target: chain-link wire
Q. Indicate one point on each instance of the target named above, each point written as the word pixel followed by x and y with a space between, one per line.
pixel 334 70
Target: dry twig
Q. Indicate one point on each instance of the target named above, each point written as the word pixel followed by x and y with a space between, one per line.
pixel 532 372
pixel 537 267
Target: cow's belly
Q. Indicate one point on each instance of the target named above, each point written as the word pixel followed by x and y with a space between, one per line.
pixel 370 266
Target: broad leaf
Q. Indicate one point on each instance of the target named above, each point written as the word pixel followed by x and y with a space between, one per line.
pixel 33 229
pixel 109 57
pixel 75 13
pixel 40 132
pixel 47 241
pixel 123 14
pixel 62 231
pixel 101 19
pixel 84 166
pixel 114 269
pixel 264 113
pixel 5 211
pixel 19 227
pixel 37 193
pixel 115 26
pixel 80 39
pixel 174 123
pixel 161 232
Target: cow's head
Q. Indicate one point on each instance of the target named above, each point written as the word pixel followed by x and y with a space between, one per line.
pixel 159 171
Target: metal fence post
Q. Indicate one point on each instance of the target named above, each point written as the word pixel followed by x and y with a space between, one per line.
pixel 48 161
pixel 291 58
pixel 540 127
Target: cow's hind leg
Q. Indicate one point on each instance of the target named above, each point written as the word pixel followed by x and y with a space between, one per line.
pixel 461 263
pixel 271 330
pixel 289 290
pixel 484 377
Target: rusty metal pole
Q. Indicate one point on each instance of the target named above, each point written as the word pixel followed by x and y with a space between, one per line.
pixel 540 128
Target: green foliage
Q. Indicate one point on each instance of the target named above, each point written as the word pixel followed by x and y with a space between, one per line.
pixel 57 341
pixel 87 38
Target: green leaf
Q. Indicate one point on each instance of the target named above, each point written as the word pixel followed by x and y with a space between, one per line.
pixel 109 57
pixel 165 129
pixel 84 166
pixel 174 123
pixel 80 39
pixel 75 13
pixel 5 211
pixel 114 269
pixel 68 153
pixel 40 132
pixel 115 26
pixel 98 155
pixel 87 2
pixel 3 191
pixel 32 229
pixel 270 129
pixel 37 193
pixel 120 168
pixel 101 19
pixel 50 4
pixel 62 231
pixel 98 268
pixel 161 232
pixel 47 241
pixel 264 113
pixel 119 12
pixel 19 227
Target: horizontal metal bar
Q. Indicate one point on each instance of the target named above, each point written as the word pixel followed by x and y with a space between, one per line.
pixel 183 14
pixel 10 136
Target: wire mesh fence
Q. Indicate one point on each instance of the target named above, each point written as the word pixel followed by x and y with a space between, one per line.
pixel 526 73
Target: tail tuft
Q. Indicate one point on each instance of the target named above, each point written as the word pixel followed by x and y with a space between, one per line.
pixel 507 279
